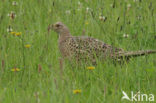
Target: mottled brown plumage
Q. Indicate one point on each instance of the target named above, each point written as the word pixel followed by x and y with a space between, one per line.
pixel 81 48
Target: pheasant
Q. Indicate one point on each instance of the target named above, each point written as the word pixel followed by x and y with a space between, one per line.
pixel 81 48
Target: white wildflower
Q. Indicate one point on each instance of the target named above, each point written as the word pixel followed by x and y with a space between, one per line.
pixel 87 9
pixel 102 18
pixel 68 11
pixel 14 3
pixel 128 5
pixel 111 5
pixel 9 29
pixel 135 0
pixel 79 3
pixel 125 35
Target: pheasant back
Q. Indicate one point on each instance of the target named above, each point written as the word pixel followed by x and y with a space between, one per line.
pixel 87 49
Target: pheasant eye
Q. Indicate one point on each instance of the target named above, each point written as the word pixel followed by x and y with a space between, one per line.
pixel 57 25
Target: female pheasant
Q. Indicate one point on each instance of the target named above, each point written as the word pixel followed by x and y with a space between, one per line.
pixel 81 48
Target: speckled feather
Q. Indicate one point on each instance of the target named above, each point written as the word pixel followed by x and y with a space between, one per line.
pixel 86 48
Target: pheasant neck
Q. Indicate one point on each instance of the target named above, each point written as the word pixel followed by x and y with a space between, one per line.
pixel 64 35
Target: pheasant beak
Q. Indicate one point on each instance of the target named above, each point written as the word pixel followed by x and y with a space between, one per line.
pixel 50 27
pixel 53 27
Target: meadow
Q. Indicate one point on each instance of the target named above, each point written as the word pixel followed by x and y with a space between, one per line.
pixel 31 68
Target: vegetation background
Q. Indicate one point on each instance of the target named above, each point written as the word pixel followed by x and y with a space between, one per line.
pixel 30 68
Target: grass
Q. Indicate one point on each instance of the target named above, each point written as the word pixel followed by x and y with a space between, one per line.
pixel 42 80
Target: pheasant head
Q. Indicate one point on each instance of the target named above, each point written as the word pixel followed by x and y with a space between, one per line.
pixel 61 29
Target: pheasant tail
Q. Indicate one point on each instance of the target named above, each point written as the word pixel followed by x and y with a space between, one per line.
pixel 136 53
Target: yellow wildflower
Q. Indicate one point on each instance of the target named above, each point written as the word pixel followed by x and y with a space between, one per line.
pixel 15 69
pixel 90 68
pixel 76 91
pixel 13 33
pixel 18 33
pixel 86 23
pixel 27 46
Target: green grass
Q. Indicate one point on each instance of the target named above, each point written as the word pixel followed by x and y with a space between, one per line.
pixel 52 84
